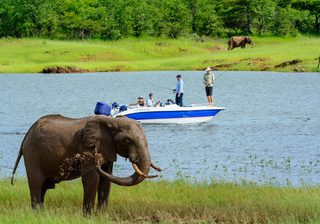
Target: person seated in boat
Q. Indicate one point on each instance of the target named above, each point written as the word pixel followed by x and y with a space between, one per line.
pixel 150 101
pixel 141 102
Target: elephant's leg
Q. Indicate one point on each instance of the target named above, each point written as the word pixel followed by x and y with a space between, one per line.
pixel 233 45
pixel 230 45
pixel 90 182
pixel 48 184
pixel 43 193
pixel 35 181
pixel 104 186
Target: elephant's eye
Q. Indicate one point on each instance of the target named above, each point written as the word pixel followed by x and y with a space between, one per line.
pixel 127 141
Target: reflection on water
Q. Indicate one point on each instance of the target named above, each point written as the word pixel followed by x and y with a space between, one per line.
pixel 268 133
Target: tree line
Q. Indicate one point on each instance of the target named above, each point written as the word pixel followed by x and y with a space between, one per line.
pixel 115 19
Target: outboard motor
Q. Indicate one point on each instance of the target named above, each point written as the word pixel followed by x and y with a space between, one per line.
pixel 115 105
pixel 102 108
pixel 123 108
pixel 169 102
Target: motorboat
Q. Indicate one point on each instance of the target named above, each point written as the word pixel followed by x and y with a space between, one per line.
pixel 168 113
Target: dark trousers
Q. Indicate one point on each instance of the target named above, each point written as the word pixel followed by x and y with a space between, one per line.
pixel 179 99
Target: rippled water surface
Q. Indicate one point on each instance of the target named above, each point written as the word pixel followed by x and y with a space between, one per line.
pixel 268 134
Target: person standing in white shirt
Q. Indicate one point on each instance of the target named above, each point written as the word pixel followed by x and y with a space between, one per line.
pixel 179 91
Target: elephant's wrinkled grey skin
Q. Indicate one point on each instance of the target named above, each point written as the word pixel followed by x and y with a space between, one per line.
pixel 53 139
pixel 239 41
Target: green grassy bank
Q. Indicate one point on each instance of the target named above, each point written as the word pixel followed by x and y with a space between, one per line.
pixel 167 202
pixel 147 54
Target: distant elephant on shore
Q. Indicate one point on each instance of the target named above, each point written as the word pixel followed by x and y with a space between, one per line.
pixel 239 41
pixel 58 148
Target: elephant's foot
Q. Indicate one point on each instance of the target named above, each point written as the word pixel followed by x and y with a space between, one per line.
pixel 37 205
pixel 87 210
pixel 36 200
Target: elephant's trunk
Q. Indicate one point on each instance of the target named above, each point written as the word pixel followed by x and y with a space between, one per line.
pixel 141 171
pixel 137 177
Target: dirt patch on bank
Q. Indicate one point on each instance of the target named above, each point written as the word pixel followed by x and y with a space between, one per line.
pixel 114 69
pixel 218 67
pixel 64 69
pixel 254 60
pixel 162 44
pixel 287 63
pixel 213 61
pixel 216 48
pixel 260 63
pixel 256 64
pixel 223 66
pixel 99 57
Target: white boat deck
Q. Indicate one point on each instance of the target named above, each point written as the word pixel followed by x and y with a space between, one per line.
pixel 171 114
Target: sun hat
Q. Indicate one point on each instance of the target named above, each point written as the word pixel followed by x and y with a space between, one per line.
pixel 208 69
pixel 140 97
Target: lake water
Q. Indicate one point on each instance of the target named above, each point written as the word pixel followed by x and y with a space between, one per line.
pixel 268 134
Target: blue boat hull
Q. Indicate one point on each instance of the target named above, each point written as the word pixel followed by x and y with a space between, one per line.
pixel 173 114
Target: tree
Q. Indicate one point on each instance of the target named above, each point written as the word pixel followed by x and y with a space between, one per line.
pixel 176 18
pixel 25 18
pixel 79 18
pixel 205 20
pixel 6 23
pixel 127 18
pixel 238 14
pixel 284 24
pixel 114 19
pixel 144 17
pixel 313 6
pixel 264 11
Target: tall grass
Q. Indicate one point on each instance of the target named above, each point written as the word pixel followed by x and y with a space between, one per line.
pixel 165 202
pixel 32 55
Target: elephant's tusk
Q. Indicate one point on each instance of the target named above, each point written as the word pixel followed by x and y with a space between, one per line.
pixel 156 167
pixel 136 168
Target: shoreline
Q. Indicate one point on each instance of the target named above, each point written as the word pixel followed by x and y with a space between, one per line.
pixel 216 72
pixel 275 54
pixel 167 202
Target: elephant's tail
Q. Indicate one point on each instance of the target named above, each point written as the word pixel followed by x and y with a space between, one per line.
pixel 20 155
pixel 16 165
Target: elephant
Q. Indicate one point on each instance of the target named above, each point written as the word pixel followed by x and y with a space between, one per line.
pixel 58 148
pixel 239 41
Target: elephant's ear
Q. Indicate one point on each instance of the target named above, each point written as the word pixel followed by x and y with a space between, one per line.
pixel 97 135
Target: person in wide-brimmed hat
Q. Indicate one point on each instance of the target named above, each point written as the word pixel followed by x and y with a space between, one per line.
pixel 208 81
pixel 141 102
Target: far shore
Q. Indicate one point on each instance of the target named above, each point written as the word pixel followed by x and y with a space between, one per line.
pixel 299 54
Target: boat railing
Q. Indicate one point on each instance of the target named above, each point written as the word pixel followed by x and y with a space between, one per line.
pixel 189 105
pixel 198 105
pixel 205 105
